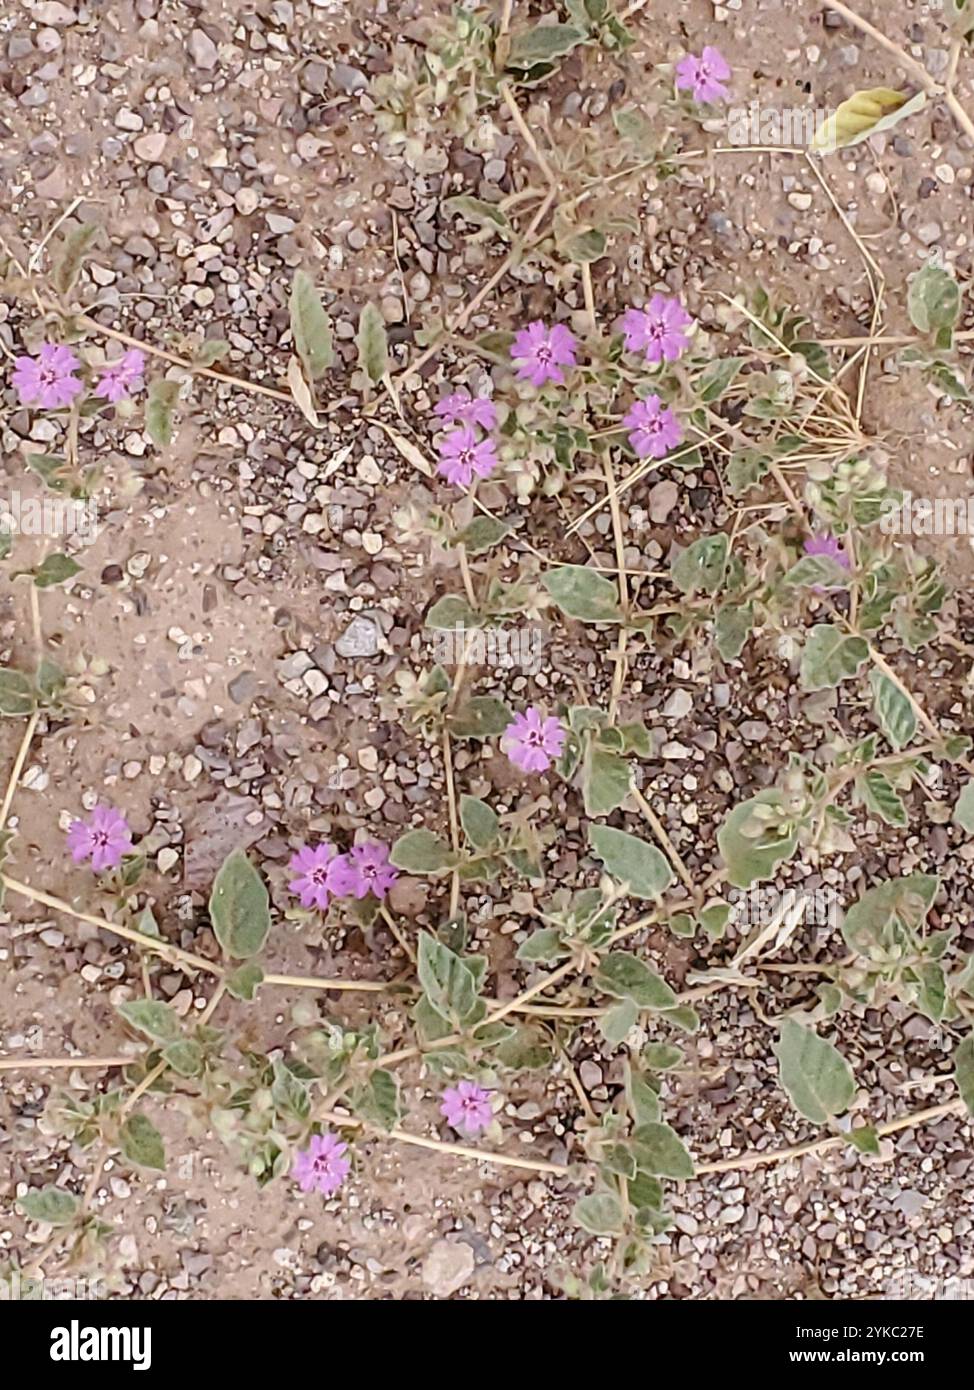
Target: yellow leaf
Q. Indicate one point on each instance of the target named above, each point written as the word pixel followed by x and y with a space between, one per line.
pixel 864 114
pixel 301 393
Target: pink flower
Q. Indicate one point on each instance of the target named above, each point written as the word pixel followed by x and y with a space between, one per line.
pixel 704 76
pixel 119 379
pixel 371 870
pixel 320 875
pixel 533 743
pixel 462 455
pixel 47 380
pixel 658 330
pixel 103 838
pixel 460 406
pixel 467 1107
pixel 322 1166
pixel 539 353
pixel 653 431
pixel 829 545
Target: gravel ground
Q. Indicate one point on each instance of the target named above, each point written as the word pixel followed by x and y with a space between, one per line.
pixel 252 594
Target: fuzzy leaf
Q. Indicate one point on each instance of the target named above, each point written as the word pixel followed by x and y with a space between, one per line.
pixel 583 593
pixel 310 327
pixel 160 411
pixel 830 657
pixel 373 351
pixel 893 711
pixel 631 860
pixel 239 907
pixel 141 1142
pixel 816 1076
pixel 627 977
pixel 421 852
pixel 50 1204
pixel 599 1213
pixel 480 824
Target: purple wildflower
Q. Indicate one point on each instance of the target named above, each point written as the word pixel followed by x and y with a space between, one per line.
pixel 322 1166
pixel 371 869
pixel 653 431
pixel 460 406
pixel 46 380
pixel 539 353
pixel 827 544
pixel 320 875
pixel 533 743
pixel 467 1107
pixel 704 76
pixel 657 330
pixel 119 379
pixel 462 455
pixel 103 838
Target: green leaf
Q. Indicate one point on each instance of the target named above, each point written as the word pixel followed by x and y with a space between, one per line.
pixel 482 533
pixel 378 1101
pixel 184 1056
pixel 480 824
pixel 886 918
pixel 879 796
pixel 52 468
pixel 373 351
pixel 482 716
pixel 641 1099
pixel 753 856
pixel 310 327
pixel 816 1076
pixel 528 1050
pixel 160 411
pixel 545 43
pixel 616 1022
pixel 583 593
pixel 17 693
pixel 451 611
pixel 586 246
pixel 421 852
pixel 933 300
pixel 893 711
pixel 702 565
pixel 51 680
pixel 289 1091
pixel 156 1020
pixel 599 1213
pixel 239 907
pixel 660 1150
pixel 932 998
pixel 662 1056
pixel 606 781
pixel 141 1142
pixel 55 569
pixel 964 807
pixel 717 377
pixel 447 982
pixel 964 1070
pixel 645 1192
pixel 480 214
pixel 830 657
pixel 865 1139
pixel 627 977
pixel 818 572
pixel 242 983
pixel 50 1204
pixel 67 261
pixel 631 860
pixel 545 944
pixel 732 627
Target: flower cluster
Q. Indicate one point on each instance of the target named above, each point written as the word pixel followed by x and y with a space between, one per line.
pixel 321 873
pixel 705 76
pixel 49 381
pixel 464 453
pixel 103 838
pixel 532 742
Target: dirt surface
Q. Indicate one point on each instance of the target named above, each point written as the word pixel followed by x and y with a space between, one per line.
pixel 221 149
